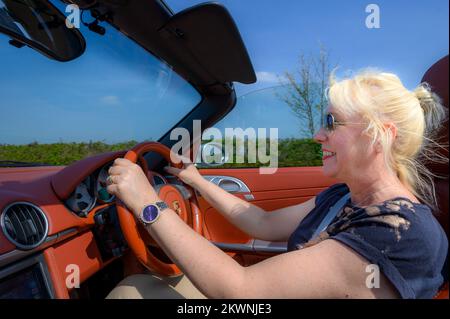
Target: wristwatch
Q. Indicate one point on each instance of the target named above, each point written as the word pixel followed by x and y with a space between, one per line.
pixel 151 212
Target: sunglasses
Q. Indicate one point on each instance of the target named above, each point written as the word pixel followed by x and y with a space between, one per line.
pixel 330 123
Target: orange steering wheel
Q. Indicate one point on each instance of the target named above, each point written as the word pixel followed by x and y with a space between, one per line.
pixel 135 234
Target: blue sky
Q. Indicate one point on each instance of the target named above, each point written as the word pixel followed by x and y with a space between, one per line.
pixel 412 35
pixel 102 90
pixel 112 93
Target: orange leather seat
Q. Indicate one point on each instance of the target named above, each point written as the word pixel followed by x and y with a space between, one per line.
pixel 437 78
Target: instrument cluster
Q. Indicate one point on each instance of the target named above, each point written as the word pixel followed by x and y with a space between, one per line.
pixel 92 191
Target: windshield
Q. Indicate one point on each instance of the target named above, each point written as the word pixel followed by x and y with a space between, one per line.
pixel 113 96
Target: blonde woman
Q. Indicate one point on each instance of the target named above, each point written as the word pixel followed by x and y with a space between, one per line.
pixel 374 133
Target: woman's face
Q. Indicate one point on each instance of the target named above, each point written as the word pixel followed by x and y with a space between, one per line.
pixel 351 156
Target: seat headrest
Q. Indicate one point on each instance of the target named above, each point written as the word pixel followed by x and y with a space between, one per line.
pixel 437 77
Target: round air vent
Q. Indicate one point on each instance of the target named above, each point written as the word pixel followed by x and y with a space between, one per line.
pixel 24 224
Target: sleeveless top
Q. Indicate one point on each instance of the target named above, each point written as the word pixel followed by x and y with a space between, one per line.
pixel 402 238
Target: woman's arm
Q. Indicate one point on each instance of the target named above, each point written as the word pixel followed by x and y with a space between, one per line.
pixel 276 225
pixel 326 270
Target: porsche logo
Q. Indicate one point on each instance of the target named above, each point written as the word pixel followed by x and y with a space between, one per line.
pixel 176 207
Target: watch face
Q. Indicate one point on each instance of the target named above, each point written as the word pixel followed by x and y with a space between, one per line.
pixel 150 213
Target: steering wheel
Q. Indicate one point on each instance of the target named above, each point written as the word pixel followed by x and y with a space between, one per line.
pixel 135 234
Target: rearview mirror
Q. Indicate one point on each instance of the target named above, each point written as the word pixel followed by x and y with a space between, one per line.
pixel 41 26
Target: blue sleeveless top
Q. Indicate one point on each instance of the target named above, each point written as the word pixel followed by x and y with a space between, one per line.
pixel 403 238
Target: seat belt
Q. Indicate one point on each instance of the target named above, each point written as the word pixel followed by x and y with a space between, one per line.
pixel 331 215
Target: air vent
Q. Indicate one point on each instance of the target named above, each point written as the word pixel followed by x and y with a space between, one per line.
pixel 24 224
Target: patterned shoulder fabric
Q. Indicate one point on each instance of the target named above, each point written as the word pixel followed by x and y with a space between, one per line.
pixel 401 237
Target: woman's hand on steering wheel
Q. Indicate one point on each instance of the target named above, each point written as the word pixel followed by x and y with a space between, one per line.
pixel 189 174
pixel 131 186
pixel 129 183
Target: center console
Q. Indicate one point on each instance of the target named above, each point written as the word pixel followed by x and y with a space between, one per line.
pixel 108 233
pixel 28 279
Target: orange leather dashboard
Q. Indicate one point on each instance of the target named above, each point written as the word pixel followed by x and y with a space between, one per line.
pixel 34 185
pixel 81 252
pixel 47 188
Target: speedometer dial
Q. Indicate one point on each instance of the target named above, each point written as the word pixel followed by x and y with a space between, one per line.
pixel 100 186
pixel 82 199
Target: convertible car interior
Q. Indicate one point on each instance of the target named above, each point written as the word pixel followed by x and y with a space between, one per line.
pixel 63 235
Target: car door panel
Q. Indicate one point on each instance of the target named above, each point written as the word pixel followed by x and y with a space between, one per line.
pixel 288 186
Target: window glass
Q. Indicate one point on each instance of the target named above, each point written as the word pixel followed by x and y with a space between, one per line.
pixel 113 96
pixel 264 117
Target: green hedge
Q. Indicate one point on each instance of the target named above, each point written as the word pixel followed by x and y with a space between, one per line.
pixel 58 153
pixel 291 152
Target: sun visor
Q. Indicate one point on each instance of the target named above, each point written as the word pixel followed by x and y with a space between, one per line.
pixel 207 36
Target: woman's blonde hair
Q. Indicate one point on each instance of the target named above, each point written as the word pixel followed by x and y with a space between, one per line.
pixel 380 98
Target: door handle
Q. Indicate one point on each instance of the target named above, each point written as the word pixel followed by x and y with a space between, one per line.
pixel 230 184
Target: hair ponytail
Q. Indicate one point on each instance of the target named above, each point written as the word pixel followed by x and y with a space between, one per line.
pixel 433 111
pixel 435 115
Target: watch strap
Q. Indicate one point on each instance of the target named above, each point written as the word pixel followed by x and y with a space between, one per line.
pixel 161 205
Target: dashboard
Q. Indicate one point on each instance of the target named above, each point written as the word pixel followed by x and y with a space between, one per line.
pixel 76 217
